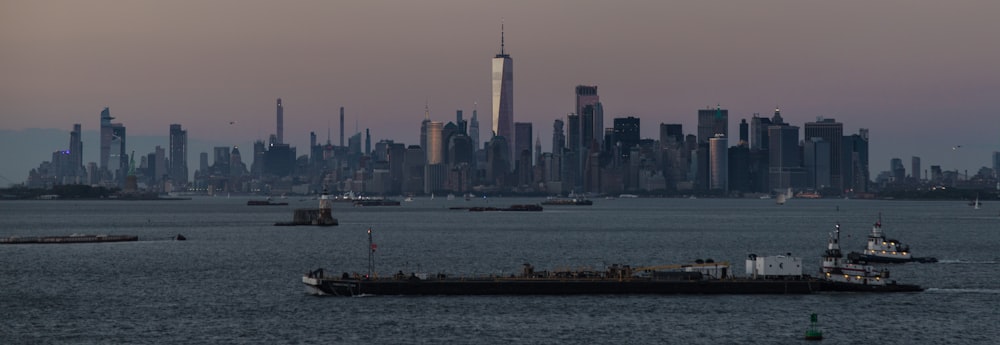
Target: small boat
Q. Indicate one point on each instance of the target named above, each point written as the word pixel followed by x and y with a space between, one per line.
pixel 266 202
pixel 976 204
pixel 885 250
pixel 376 202
pixel 562 201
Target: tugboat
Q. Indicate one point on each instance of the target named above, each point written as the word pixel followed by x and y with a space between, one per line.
pixel 881 249
pixel 838 274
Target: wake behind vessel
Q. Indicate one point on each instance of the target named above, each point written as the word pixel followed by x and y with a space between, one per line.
pixel 765 275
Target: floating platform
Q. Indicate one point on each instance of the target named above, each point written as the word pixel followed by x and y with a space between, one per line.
pixel 68 239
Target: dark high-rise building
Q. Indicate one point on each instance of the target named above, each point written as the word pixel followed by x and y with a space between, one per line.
pixel 758 132
pixel 522 139
pixel 257 167
pixel 712 122
pixel 203 162
pixel 221 162
pixel 573 160
pixel 626 135
pixel 106 136
pixel 816 153
pixel 342 126
pixel 832 132
pixel 76 170
pixel 591 111
pixel 744 133
pixel 588 136
pixel 178 155
pixel 785 160
pixel 898 170
pixel 424 128
pixel 558 137
pixel 915 168
pixel 671 134
pixel 474 129
pixel 503 96
pixel 855 159
pixel 118 159
pixel 281 123
pixel 368 141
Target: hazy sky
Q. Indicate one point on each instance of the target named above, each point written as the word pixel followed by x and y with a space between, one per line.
pixel 923 76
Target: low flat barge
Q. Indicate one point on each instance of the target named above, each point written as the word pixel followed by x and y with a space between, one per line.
pixel 567 202
pixel 776 274
pixel 512 208
pixel 68 239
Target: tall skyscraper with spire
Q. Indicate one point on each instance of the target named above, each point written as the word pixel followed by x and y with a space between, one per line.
pixel 503 95
pixel 281 123
pixel 474 129
pixel 106 135
pixel 341 126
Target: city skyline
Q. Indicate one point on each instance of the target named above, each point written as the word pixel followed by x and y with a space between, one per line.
pixel 218 77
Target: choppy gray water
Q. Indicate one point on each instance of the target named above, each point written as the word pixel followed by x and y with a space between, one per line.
pixel 237 278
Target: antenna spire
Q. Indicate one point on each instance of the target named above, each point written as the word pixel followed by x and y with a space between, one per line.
pixel 427 112
pixel 501 36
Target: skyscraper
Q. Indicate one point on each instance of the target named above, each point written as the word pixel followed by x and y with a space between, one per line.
pixel 832 132
pixel 719 164
pixel 423 129
pixel 118 159
pixel 855 161
pixel 758 132
pixel 627 133
pixel 558 137
pixel 435 143
pixel 76 154
pixel 105 138
pixel 281 123
pixel 522 138
pixel 178 155
pixel 785 161
pixel 712 122
pixel 474 129
pixel 915 168
pixel 671 135
pixel 591 111
pixel 503 95
pixel 341 126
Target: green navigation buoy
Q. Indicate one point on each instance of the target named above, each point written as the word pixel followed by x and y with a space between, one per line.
pixel 813 333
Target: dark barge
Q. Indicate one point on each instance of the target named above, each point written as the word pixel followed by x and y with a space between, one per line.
pixel 68 239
